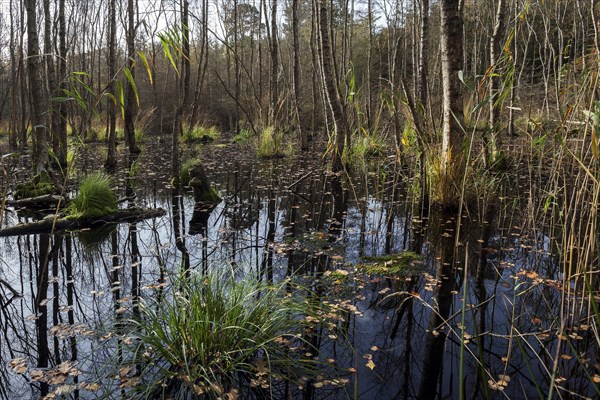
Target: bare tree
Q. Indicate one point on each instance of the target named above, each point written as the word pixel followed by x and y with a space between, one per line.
pixel 60 128
pixel 423 52
pixel 111 160
pixel 452 61
pixel 296 76
pixel 50 66
pixel 130 96
pixel 330 84
pixel 492 141
pixel 274 65
pixel 36 90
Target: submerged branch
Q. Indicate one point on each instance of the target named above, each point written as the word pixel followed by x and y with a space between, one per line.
pixel 50 224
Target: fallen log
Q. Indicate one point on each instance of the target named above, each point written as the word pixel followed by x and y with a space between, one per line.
pixel 47 200
pixel 53 224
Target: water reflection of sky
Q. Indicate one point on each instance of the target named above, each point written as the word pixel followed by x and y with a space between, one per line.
pixel 393 319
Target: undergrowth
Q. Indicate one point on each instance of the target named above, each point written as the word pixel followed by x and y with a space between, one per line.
pixel 214 333
pixel 95 197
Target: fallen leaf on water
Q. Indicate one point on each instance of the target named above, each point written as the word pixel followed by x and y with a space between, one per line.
pixel 467 338
pixel 64 389
pixel 503 380
pixel 494 386
pixel 128 383
pixel 57 378
pixel 90 387
pixel 531 274
pixel 37 375
pixel 65 367
pixel 18 365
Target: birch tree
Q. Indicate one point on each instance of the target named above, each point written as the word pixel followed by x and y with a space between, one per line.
pixel 452 61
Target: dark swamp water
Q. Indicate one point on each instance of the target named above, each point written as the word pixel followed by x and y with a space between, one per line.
pixel 489 289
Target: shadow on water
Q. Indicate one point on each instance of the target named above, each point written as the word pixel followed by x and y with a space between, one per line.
pixel 472 302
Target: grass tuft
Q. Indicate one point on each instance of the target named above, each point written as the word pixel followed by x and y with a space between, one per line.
pixel 243 137
pixel 270 144
pixel 200 133
pixel 95 197
pixel 186 167
pixel 367 146
pixel 216 333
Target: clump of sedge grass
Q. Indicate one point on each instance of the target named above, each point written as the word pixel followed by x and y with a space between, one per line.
pixel 187 166
pixel 464 180
pixel 270 144
pixel 199 133
pixel 243 137
pixel 95 197
pixel 365 147
pixel 215 334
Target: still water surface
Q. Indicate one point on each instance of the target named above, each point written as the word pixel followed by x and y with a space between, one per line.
pixel 404 336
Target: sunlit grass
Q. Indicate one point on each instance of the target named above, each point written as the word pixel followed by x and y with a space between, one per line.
pixel 199 133
pixel 215 334
pixel 366 146
pixel 244 136
pixel 95 197
pixel 270 144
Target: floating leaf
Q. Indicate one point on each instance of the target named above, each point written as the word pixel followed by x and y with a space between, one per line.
pixel 64 390
pixel 18 365
pixel 129 382
pixel 371 365
pixel 37 375
pixel 90 387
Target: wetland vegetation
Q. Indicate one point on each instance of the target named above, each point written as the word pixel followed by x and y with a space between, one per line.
pixel 299 200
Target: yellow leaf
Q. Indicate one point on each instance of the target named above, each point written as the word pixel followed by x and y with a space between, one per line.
pixel 64 367
pixel 371 365
pixel 37 375
pixel 18 365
